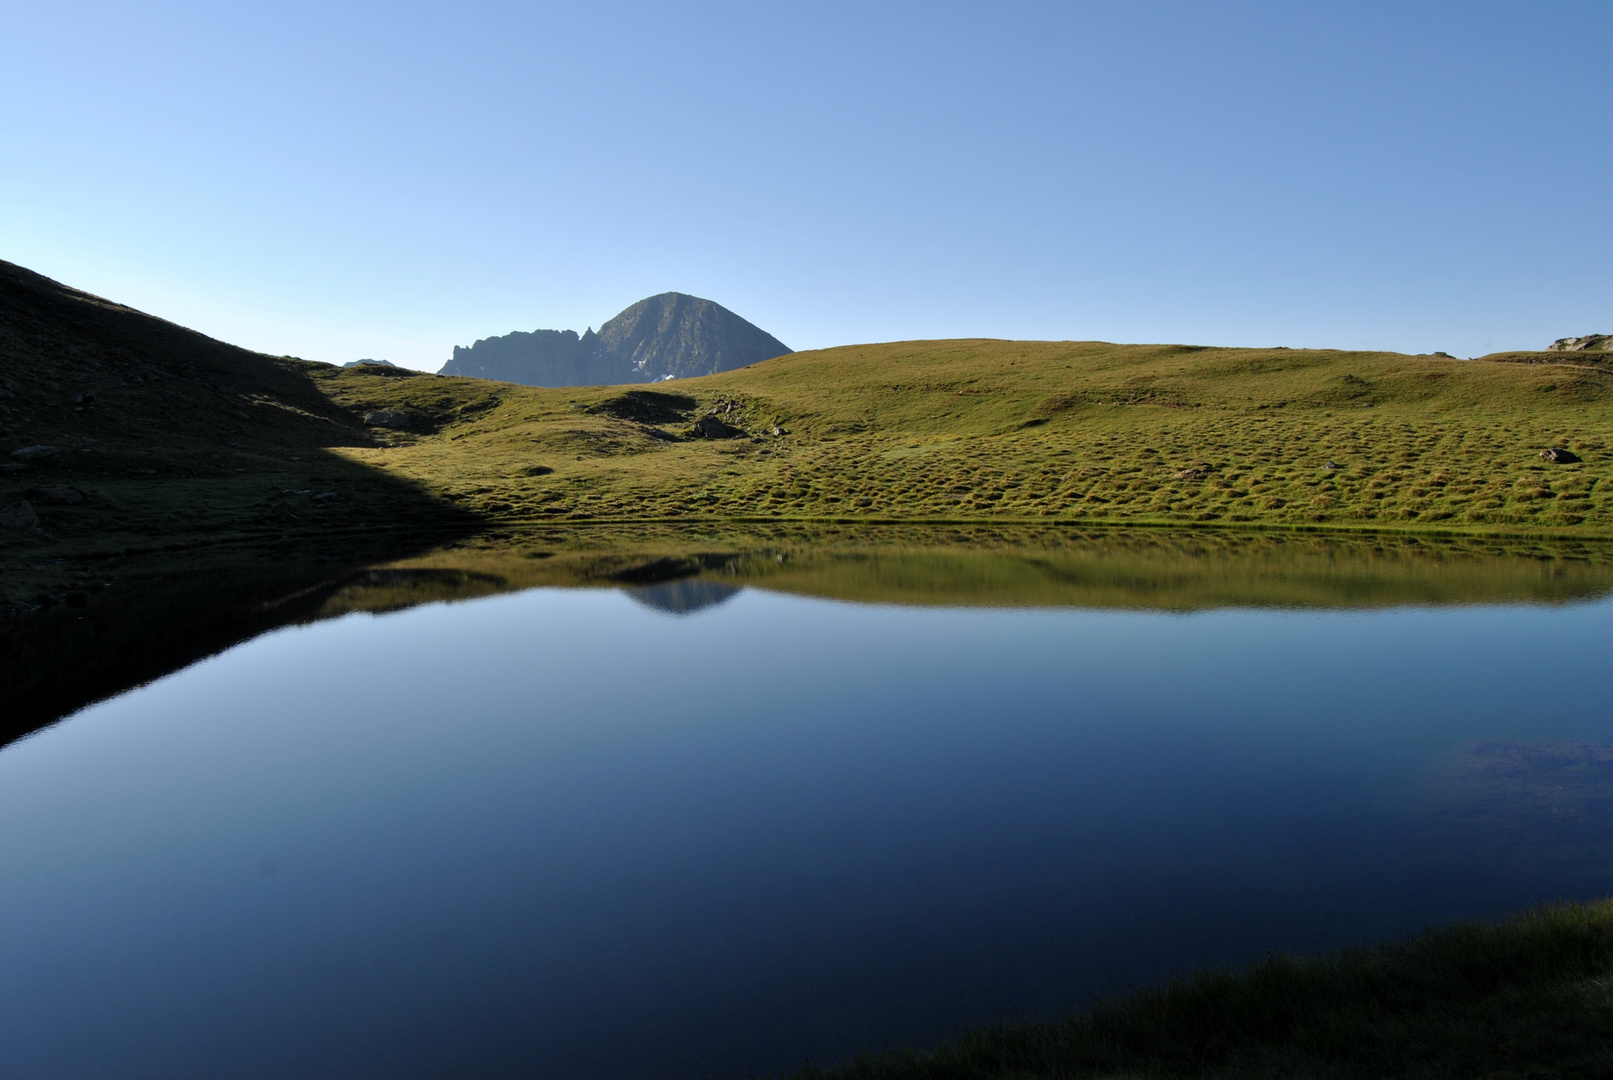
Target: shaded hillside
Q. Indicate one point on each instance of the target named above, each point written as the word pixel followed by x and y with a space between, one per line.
pixel 120 432
pixel 667 336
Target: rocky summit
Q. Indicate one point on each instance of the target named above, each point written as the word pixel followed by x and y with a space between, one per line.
pixel 1588 343
pixel 669 336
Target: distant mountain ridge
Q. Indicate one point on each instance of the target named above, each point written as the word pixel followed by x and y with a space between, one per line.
pixel 668 336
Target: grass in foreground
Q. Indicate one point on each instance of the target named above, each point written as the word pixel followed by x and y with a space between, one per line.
pixel 1528 997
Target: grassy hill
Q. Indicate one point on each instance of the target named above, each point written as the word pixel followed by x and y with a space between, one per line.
pixel 170 439
pixel 1002 430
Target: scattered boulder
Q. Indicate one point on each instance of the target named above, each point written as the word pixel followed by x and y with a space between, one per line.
pixel 1194 472
pixel 709 427
pixel 60 494
pixel 1332 465
pixel 34 453
pixel 19 515
pixel 396 419
pixel 538 470
pixel 1590 342
pixel 1559 456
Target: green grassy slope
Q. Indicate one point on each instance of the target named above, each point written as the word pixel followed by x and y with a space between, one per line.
pixel 1001 430
pixel 189 441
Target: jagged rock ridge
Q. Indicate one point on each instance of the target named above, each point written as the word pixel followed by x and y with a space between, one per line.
pixel 672 335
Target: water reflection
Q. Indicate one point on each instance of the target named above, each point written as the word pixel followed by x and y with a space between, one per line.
pixel 850 795
pixel 683 597
pixel 491 811
pixel 165 612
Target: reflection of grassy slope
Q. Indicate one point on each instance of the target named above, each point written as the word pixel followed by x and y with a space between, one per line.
pixel 67 656
pixel 993 430
pixel 1011 567
pixel 1529 997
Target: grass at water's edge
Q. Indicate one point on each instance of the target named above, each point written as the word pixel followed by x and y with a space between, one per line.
pixel 1531 996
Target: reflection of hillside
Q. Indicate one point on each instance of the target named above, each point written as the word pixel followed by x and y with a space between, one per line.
pixel 1157 569
pixel 682 597
pixel 165 612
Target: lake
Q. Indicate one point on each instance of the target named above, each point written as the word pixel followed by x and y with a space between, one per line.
pixel 738 811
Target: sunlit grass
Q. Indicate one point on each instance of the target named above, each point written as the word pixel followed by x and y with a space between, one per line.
pixel 1079 432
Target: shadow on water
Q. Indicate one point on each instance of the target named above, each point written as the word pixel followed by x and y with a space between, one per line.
pixel 163 616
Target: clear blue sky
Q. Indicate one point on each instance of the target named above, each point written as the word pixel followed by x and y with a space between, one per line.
pixel 343 180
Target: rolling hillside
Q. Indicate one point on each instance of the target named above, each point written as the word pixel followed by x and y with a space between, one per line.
pixel 172 438
pixel 1065 431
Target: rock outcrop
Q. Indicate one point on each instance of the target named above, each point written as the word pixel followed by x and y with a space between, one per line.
pixel 670 336
pixel 397 419
pixel 1588 343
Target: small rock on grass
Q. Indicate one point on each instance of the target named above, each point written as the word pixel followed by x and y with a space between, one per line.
pixel 34 453
pixel 19 515
pixel 396 419
pixel 1559 455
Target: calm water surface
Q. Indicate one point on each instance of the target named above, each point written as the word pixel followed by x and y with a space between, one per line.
pixel 569 833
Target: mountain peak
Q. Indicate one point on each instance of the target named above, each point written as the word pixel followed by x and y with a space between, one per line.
pixel 671 335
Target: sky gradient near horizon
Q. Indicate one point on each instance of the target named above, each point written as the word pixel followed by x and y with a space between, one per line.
pixel 338 181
